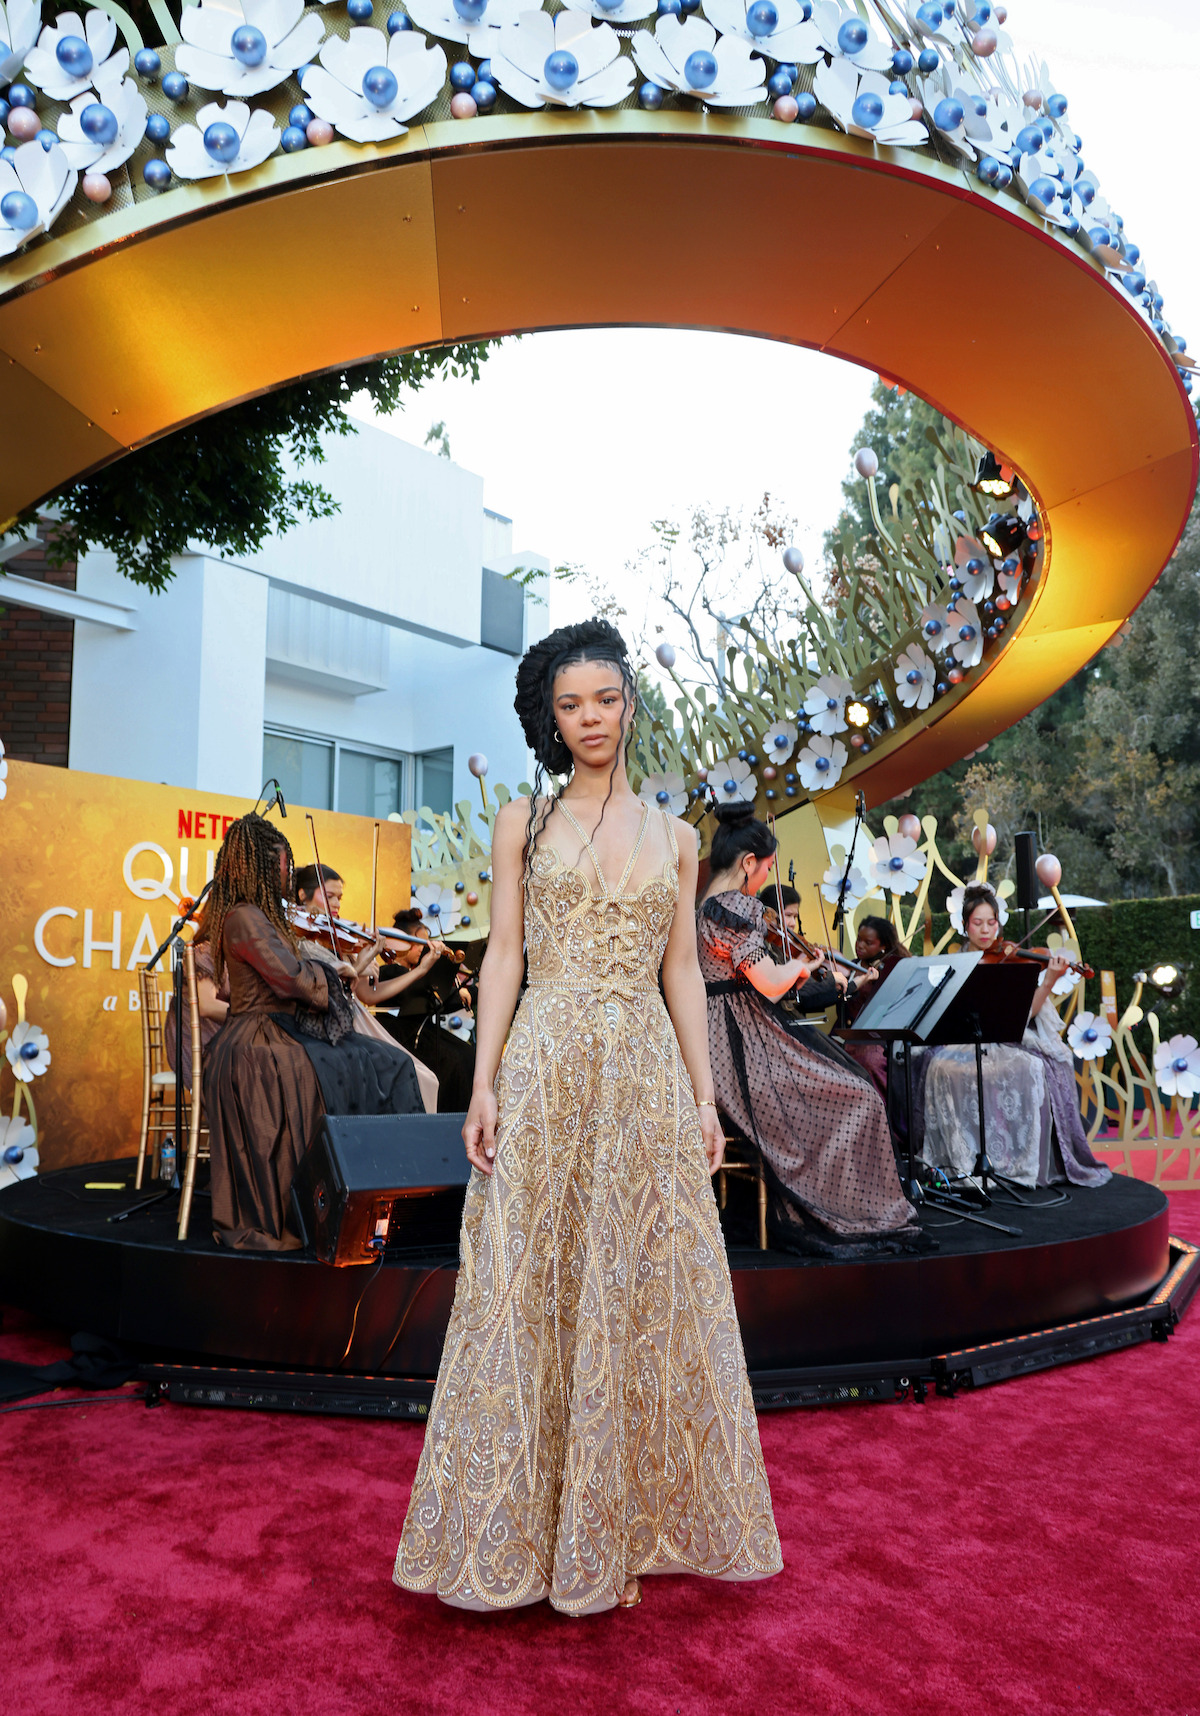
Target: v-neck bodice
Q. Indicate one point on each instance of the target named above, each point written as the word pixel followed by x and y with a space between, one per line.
pixel 634 855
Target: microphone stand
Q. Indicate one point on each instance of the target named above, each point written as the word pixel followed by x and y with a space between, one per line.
pixel 839 914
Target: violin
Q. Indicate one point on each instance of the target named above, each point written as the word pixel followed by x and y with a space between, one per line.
pixel 337 933
pixel 795 946
pixel 1002 952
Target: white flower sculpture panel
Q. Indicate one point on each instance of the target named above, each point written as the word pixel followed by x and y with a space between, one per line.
pixel 127 105
pixel 1068 981
pixel 246 47
pixel 821 762
pixel 42 65
pixel 20 26
pixel 469 21
pixel 257 137
pixel 561 62
pixel 839 32
pixel 898 866
pixel 47 180
pixel 622 12
pixel 954 906
pixel 788 39
pixel 857 886
pixel 28 1048
pixel 966 633
pixel 935 626
pixel 404 75
pixel 666 792
pixel 439 908
pixel 686 55
pixel 1177 1067
pixel 1090 1036
pixel 825 703
pixel 18 1152
pixel 915 677
pixel 732 781
pixel 863 107
pixel 779 741
pixel 973 567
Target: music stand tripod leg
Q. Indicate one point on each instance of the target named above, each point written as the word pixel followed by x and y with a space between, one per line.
pixel 913 1190
pixel 983 1166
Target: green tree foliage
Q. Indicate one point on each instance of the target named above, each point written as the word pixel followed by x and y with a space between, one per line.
pixel 894 428
pixel 225 481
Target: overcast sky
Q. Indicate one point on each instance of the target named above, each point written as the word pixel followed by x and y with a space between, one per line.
pixel 582 482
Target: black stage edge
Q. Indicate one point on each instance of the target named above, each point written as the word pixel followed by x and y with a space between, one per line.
pixel 283 1332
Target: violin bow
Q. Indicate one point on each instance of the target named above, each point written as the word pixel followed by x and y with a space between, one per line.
pixel 312 829
pixel 783 929
pixel 374 875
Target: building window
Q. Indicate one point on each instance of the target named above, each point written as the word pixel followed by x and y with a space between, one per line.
pixel 324 774
pixel 501 614
pixel 435 781
pixel 303 768
pixel 369 785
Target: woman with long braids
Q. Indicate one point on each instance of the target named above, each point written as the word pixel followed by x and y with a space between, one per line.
pixel 592 1420
pixel 814 1115
pixel 287 1053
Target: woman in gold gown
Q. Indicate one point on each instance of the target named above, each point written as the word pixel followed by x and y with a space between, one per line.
pixel 592 1420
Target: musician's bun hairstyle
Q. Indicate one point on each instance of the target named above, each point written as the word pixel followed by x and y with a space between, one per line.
pixel 738 831
pixel 978 894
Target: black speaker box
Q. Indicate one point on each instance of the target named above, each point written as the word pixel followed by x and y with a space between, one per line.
pixel 1025 865
pixel 364 1171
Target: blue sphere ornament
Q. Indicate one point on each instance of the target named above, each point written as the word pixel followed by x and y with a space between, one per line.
pixel 822 764
pixel 74 56
pixel 1030 139
pixel 730 786
pixel 460 887
pixel 47 138
pixel 743 756
pixel 806 104
pixel 914 676
pixel 928 60
pixel 175 86
pixel 1047 130
pixel 99 124
pixel 790 776
pixel 831 703
pixel 456 1021
pixel 897 87
pixel 562 69
pixel 1179 1064
pixel 485 95
pixel 293 139
pixel 462 75
pixel 610 5
pixel 5 110
pixel 687 7
pixel 1134 282
pixel 902 62
pixel 248 45
pixel 1004 177
pixel 895 863
pixel 483 72
pixel 20 212
pixel 982 14
pixel 15 1154
pixel 379 86
pixel 1100 235
pixel 933 628
pixel 792 789
pixel 398 21
pixel 967 633
pixel 470 11
pixel 1056 106
pixel 751 758
pixel 974 567
pixel 29 1051
pixel 780 741
pixel 852 37
pixel 941 688
pixel 867 110
pixel 762 18
pixel 662 797
pixel 650 97
pixel 158 127
pixel 931 15
pixel 1133 256
pixel 1090 1035
pixel 20 95
pixel 779 83
pixel 988 169
pixel 359 11
pixel 1084 190
pixel 301 115
pixel 700 69
pixel 669 8
pixel 221 142
pixel 948 114
pixel 146 63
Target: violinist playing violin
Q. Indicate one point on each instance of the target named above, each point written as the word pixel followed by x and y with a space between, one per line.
pixel 826 981
pixel 879 950
pixel 417 988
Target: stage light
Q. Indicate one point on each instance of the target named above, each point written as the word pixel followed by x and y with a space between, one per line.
pixel 1002 534
pixel 1165 978
pixel 858 714
pixel 993 478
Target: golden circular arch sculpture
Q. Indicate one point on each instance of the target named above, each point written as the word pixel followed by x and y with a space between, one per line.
pixel 162 312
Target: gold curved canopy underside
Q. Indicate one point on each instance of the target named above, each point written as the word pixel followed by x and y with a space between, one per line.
pixel 163 312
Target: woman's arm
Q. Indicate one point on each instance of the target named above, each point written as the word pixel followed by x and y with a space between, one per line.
pixel 210 1004
pixel 499 978
pixel 393 986
pixel 687 1004
pixel 250 936
pixel 774 980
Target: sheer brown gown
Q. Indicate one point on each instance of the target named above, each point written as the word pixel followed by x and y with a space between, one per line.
pixel 592 1419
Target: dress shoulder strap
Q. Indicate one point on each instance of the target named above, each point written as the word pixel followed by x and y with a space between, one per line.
pixel 670 826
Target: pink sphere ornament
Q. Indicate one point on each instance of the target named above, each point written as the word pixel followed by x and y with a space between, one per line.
pixel 786 108
pixel 955 676
pixel 984 840
pixel 24 123
pixel 1049 870
pixel 985 43
pixel 701 774
pixel 1000 13
pixel 916 107
pixel 478 764
pixel 909 825
pixel 866 462
pixel 96 187
pixel 472 899
pixel 463 105
pixel 856 740
pixel 319 132
pixel 769 773
pixel 1032 98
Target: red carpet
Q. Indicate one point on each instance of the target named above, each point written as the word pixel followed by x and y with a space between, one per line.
pixel 1032 1547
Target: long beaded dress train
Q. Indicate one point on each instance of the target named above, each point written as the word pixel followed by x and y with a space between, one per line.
pixel 592 1419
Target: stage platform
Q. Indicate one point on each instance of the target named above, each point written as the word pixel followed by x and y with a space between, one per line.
pixel 1098 1265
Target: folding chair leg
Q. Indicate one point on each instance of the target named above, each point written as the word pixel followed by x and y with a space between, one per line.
pixel 721 1188
pixel 762 1210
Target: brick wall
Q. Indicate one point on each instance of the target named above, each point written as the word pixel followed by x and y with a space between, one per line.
pixel 36 652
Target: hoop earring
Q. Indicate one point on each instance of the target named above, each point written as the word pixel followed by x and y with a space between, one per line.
pixel 558 738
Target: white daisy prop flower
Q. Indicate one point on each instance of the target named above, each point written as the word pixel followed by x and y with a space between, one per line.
pixel 1090 1036
pixel 439 907
pixel 954 906
pixel 1068 981
pixel 28 1051
pixel 732 781
pixel 979 24
pixel 565 61
pixel 839 32
pixel 686 55
pixel 915 677
pixel 898 866
pixel 1008 579
pixel 224 139
pixel 20 27
pixel 864 107
pixel 71 51
pixel 35 187
pixel 821 762
pixel 246 47
pixel 18 1152
pixel 368 86
pixel 935 623
pixel 857 886
pixel 961 117
pixel 476 22
pixel 104 126
pixel 772 27
pixel 1177 1067
pixel 615 12
pixel 825 703
pixel 667 792
pixel 779 741
pixel 966 633
pixel 973 568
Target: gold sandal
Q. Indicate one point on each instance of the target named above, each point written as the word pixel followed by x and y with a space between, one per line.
pixel 631 1596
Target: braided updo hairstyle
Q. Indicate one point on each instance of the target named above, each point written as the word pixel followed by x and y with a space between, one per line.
pixel 589 640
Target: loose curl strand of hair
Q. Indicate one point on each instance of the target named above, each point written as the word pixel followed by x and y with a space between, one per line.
pixel 247 873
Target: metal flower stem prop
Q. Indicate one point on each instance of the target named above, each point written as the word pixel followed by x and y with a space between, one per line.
pixel 23 1091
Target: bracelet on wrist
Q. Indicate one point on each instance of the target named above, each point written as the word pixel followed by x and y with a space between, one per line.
pixel 705 1102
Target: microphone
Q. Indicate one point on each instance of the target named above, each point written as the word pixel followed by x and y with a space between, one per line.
pixel 279 801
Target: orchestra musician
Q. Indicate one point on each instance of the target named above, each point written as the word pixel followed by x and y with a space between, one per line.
pixel 826 981
pixel 418 986
pixel 814 1115
pixel 878 947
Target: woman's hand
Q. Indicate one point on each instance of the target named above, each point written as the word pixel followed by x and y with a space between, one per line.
pixel 841 977
pixel 479 1130
pixel 344 968
pixel 714 1138
pixel 1054 970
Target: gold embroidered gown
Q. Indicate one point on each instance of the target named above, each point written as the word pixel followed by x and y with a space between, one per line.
pixel 592 1418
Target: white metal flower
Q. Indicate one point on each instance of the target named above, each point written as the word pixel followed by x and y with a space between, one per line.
pixel 402 74
pixel 246 47
pixel 97 32
pixel 618 12
pixel 257 137
pixel 686 55
pixel 779 741
pixel 781 40
pixel 966 633
pixel 48 181
pixel 1177 1066
pixel 1090 1036
pixel 565 61
pixel 1068 981
pixel 476 22
pixel 821 762
pixel 839 32
pixel 28 1051
pixel 20 26
pixel 898 866
pixel 439 907
pixel 18 1152
pixel 935 625
pixel 863 107
pixel 668 792
pixel 915 676
pixel 857 886
pixel 973 568
pixel 128 107
pixel 825 703
pixel 954 906
pixel 732 780
pixel 1008 583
